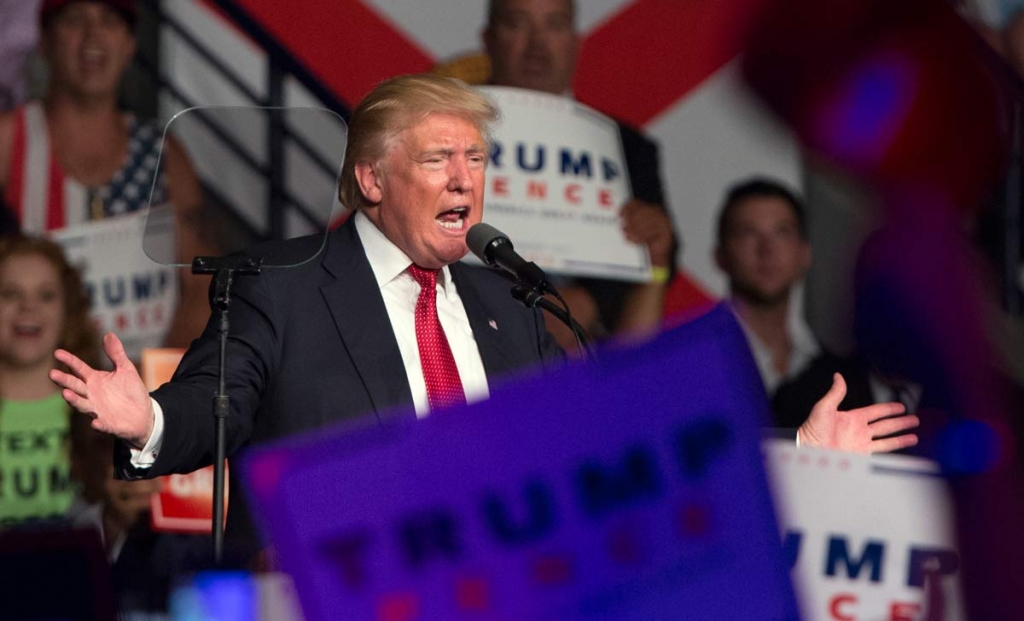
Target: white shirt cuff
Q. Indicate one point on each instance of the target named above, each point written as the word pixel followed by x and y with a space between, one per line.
pixel 146 457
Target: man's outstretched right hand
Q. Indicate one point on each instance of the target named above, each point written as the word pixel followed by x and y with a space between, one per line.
pixel 117 400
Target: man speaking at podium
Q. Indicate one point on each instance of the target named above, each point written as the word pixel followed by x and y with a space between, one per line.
pixel 383 317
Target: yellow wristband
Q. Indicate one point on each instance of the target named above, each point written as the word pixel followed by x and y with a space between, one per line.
pixel 659 274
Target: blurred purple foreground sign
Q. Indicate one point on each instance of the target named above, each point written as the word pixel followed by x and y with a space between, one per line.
pixel 631 488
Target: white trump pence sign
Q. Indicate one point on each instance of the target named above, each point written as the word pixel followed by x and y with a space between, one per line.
pixel 555 183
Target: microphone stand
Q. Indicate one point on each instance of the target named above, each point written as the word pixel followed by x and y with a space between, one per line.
pixel 531 298
pixel 224 270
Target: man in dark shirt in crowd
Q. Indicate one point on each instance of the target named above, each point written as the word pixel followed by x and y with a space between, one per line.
pixel 763 248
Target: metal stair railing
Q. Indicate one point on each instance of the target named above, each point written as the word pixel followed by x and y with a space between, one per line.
pixel 280 66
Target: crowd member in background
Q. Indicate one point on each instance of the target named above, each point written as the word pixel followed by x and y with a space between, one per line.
pixel 75 156
pixel 764 250
pixel 18 35
pixel 114 507
pixel 42 305
pixel 534 44
pixel 144 563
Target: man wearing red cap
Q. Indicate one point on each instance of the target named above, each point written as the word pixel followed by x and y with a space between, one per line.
pixel 75 156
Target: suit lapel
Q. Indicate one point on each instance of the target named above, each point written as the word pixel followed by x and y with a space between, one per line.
pixel 494 348
pixel 359 313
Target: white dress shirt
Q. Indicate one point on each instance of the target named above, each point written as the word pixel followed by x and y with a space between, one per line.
pixel 400 292
pixel 805 347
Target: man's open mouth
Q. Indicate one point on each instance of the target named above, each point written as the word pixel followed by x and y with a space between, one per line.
pixel 453 219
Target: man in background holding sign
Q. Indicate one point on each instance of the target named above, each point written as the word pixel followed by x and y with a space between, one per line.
pixel 533 44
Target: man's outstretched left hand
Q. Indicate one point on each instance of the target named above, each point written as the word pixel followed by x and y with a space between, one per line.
pixel 864 430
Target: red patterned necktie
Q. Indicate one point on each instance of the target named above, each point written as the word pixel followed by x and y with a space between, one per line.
pixel 444 388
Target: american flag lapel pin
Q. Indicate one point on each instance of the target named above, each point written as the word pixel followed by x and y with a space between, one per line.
pixel 493 324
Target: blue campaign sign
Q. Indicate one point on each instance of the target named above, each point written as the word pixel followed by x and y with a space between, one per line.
pixel 630 488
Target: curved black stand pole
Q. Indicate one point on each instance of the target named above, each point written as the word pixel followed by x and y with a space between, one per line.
pixel 531 298
pixel 224 270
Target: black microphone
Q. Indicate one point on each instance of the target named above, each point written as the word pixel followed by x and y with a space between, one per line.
pixel 494 249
